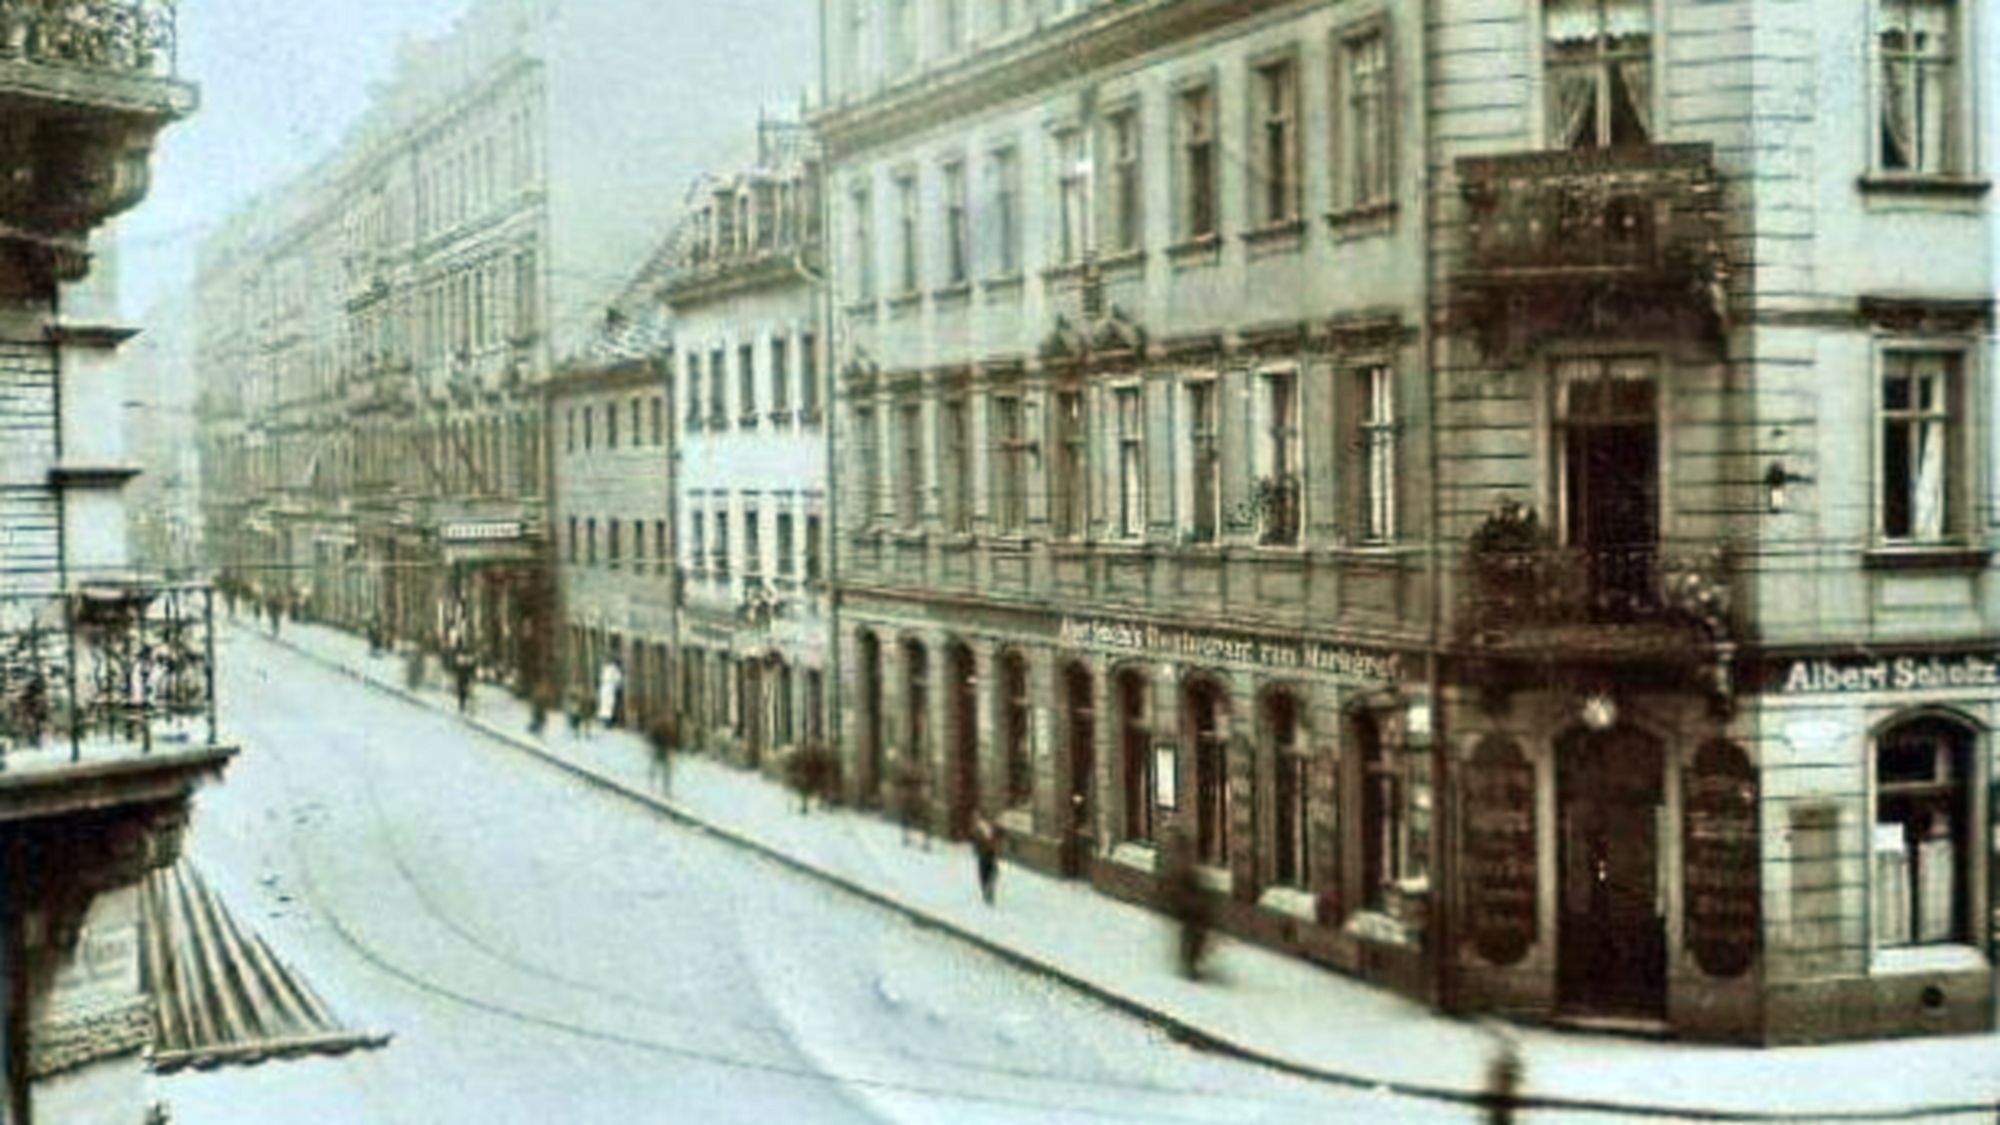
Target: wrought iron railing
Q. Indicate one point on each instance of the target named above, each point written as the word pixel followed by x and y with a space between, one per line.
pixel 115 663
pixel 128 36
pixel 1648 208
pixel 1529 587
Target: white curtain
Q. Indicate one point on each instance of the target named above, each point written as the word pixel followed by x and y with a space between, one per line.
pixel 1892 885
pixel 1937 883
pixel 1580 21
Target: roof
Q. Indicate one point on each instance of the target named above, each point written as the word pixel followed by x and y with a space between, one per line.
pixel 219 994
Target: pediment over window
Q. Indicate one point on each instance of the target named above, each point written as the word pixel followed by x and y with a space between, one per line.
pixel 1112 335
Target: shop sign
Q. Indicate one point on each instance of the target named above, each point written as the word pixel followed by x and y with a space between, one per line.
pixel 1720 852
pixel 1499 851
pixel 1343 661
pixel 1901 673
pixel 1164 794
pixel 485 531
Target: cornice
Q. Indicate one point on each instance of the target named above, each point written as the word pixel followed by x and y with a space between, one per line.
pixel 1104 37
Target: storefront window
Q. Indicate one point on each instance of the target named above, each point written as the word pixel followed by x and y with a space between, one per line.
pixel 1206 708
pixel 1135 754
pixel 1020 767
pixel 1382 826
pixel 1922 836
pixel 1290 864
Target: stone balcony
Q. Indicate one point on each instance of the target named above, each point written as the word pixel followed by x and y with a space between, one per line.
pixel 85 86
pixel 1588 238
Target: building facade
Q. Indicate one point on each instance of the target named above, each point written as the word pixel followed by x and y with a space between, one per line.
pixel 107 720
pixel 374 334
pixel 744 296
pixel 612 515
pixel 1506 484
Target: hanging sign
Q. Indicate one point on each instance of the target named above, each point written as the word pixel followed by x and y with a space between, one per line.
pixel 1720 852
pixel 1499 853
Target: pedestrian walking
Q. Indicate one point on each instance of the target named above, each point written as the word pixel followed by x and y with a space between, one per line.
pixel 461 680
pixel 582 709
pixel 610 692
pixel 986 851
pixel 1182 898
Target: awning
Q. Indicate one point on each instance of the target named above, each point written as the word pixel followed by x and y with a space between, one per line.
pixel 219 994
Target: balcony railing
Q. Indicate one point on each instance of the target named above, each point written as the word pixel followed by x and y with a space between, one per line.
pixel 1590 212
pixel 1519 590
pixel 104 670
pixel 124 36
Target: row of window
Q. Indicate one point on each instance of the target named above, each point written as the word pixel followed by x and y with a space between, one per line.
pixel 595 542
pixel 757 214
pixel 1105 213
pixel 915 32
pixel 462 312
pixel 1118 455
pixel 765 705
pixel 788 374
pixel 709 542
pixel 645 423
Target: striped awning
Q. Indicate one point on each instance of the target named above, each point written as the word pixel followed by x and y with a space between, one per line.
pixel 219 994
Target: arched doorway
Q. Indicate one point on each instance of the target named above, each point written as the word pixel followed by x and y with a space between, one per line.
pixel 964 711
pixel 1081 733
pixel 1206 723
pixel 871 715
pixel 1611 952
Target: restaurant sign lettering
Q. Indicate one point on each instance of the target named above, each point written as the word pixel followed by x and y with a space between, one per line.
pixel 1346 662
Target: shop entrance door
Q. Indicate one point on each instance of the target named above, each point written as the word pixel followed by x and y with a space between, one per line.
pixel 1611 953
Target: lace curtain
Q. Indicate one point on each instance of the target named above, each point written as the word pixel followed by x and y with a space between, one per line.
pixel 1915 46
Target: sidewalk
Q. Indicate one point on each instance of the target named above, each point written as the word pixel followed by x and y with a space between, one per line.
pixel 1256 1004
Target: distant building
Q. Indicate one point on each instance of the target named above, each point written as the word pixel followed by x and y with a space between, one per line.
pixel 611 511
pixel 1512 485
pixel 373 335
pixel 750 465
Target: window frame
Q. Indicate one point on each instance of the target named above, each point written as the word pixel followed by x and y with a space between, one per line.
pixel 1196 197
pixel 1960 133
pixel 1011 443
pixel 1274 201
pixel 1964 467
pixel 1280 453
pixel 1069 477
pixel 1964 788
pixel 1124 187
pixel 1360 185
pixel 1376 444
pixel 1603 56
pixel 1128 467
pixel 1202 453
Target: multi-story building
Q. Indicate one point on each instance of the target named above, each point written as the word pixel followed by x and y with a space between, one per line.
pixel 744 295
pixel 610 508
pixel 107 698
pixel 1505 483
pixel 386 319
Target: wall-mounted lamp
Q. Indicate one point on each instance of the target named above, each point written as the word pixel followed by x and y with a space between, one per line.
pixel 1776 478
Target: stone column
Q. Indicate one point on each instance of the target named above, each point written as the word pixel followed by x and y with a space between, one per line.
pixel 1247 769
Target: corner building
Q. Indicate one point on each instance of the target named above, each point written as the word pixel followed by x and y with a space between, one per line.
pixel 1507 481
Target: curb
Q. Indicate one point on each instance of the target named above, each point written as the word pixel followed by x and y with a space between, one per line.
pixel 1175 1027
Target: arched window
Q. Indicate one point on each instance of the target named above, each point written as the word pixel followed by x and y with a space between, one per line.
pixel 1206 712
pixel 1015 716
pixel 916 701
pixel 871 706
pixel 1923 839
pixel 1290 770
pixel 1135 754
pixel 1382 835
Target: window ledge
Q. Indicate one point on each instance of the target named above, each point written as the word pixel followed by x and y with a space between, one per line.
pixel 778 417
pixel 1277 237
pixel 1137 856
pixel 1133 546
pixel 1901 183
pixel 1363 220
pixel 1929 557
pixel 1009 544
pixel 957 541
pixel 1125 261
pixel 747 421
pixel 1070 546
pixel 1064 271
pixel 955 294
pixel 1016 821
pixel 1926 959
pixel 1291 902
pixel 1203 251
pixel 912 536
pixel 1217 879
pixel 1375 926
pixel 718 421
pixel 903 303
pixel 809 417
pixel 861 309
pixel 1002 286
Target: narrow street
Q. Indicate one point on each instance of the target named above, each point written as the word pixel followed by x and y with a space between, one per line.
pixel 544 952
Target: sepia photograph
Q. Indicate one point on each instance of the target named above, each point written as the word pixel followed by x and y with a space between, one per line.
pixel 999 562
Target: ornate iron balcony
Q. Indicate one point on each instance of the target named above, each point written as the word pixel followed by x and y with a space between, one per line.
pixel 126 36
pixel 1591 211
pixel 103 667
